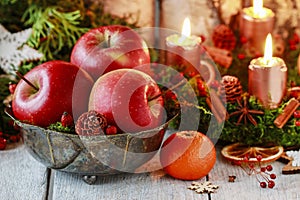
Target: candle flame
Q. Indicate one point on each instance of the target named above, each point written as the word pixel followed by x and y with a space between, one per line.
pixel 268 48
pixel 186 27
pixel 258 8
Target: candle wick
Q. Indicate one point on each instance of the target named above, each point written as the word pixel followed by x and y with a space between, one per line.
pixel 181 39
pixel 266 61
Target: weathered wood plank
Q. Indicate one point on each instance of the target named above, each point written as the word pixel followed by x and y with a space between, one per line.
pixel 21 177
pixel 124 186
pixel 155 185
pixel 247 187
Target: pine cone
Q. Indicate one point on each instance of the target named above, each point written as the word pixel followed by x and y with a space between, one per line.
pixel 233 88
pixel 91 123
pixel 223 37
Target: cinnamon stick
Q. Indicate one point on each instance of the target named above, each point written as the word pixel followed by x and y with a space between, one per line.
pixel 216 106
pixel 224 61
pixel 183 81
pixel 288 111
pixel 218 51
pixel 220 56
pixel 215 113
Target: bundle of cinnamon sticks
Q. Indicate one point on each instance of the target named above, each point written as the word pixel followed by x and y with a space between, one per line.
pixel 220 56
pixel 288 111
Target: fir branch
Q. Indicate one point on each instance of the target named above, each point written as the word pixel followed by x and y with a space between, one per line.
pixel 7 2
pixel 52 30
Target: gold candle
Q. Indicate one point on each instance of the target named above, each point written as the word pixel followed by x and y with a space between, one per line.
pixel 267 77
pixel 255 24
pixel 184 49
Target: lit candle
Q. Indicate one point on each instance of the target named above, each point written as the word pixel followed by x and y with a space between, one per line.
pixel 255 23
pixel 267 77
pixel 183 49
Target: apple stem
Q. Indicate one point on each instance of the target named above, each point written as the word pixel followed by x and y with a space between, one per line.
pixel 183 81
pixel 26 80
pixel 108 41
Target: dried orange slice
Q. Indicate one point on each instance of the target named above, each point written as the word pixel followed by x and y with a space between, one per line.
pixel 237 152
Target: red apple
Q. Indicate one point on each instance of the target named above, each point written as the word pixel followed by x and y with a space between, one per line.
pixel 108 48
pixel 129 99
pixel 61 87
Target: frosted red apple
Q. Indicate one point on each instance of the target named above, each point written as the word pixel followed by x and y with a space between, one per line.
pixel 62 87
pixel 108 48
pixel 129 99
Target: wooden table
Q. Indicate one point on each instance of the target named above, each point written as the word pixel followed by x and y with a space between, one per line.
pixel 22 178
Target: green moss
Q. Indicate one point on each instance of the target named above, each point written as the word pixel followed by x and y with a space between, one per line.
pixel 60 128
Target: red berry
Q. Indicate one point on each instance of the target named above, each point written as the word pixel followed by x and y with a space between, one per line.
pixel 43 39
pixel 191 74
pixel 273 176
pixel 292 42
pixel 246 158
pixel 259 158
pixel 66 119
pixel 297 114
pixel 14 138
pixel 201 88
pixel 262 169
pixel 169 95
pixel 271 184
pixel 243 40
pixel 3 143
pixel 293 47
pixel 111 130
pixel 251 165
pixel 238 163
pixel 263 184
pixel 296 38
pixel 12 87
pixel 241 56
pixel 258 54
pixel 202 38
pixel 297 123
pixel 269 168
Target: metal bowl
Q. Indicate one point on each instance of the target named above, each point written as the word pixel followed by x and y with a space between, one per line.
pixel 91 155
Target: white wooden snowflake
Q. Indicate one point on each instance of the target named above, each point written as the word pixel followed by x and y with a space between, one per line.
pixel 14 51
pixel 295 155
pixel 204 187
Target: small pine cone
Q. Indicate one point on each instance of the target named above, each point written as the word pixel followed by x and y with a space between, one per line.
pixel 233 88
pixel 223 37
pixel 91 123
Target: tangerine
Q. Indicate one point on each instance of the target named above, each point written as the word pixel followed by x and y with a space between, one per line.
pixel 187 155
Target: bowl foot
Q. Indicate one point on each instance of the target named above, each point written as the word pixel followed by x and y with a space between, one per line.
pixel 89 179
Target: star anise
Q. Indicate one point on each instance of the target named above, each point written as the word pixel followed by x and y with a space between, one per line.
pixel 244 112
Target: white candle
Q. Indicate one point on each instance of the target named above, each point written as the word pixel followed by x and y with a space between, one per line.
pixel 268 60
pixel 185 40
pixel 183 49
pixel 255 23
pixel 267 77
